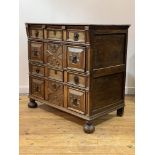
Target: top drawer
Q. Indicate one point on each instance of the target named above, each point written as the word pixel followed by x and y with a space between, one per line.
pixel 76 35
pixel 36 31
pixel 53 32
pixel 69 33
pixel 79 34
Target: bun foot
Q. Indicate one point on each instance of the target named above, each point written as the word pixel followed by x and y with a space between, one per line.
pixel 88 127
pixel 32 104
pixel 120 112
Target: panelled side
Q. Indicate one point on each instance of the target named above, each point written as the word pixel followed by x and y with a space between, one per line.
pixel 109 68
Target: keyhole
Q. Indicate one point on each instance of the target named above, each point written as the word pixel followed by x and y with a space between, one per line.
pixel 55 71
pixel 55 33
pixel 36 33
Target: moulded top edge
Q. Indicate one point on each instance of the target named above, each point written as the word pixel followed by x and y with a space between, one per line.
pixel 79 24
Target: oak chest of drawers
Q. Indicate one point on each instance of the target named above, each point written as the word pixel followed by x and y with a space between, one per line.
pixel 79 69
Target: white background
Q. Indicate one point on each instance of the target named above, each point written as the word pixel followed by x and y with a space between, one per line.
pixel 76 11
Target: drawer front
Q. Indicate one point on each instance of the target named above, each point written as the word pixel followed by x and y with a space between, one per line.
pixel 53 55
pixel 36 31
pixel 76 58
pixel 37 87
pixel 53 34
pixel 54 92
pixel 36 70
pixel 76 35
pixel 76 100
pixel 36 51
pixel 54 74
pixel 77 80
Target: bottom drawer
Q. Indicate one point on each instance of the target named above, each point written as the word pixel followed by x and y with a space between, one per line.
pixel 54 92
pixel 37 87
pixel 76 100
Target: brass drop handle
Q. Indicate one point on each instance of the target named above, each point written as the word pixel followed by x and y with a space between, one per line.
pixel 35 53
pixel 76 36
pixel 74 59
pixel 75 102
pixel 36 33
pixel 37 70
pixel 76 79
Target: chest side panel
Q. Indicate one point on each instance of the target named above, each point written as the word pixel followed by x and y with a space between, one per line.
pixel 108 69
pixel 107 91
pixel 109 50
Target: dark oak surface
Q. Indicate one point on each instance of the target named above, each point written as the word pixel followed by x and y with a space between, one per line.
pixel 79 68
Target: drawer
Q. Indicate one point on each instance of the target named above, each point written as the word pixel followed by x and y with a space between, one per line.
pixel 53 33
pixel 36 51
pixel 53 54
pixel 36 31
pixel 76 35
pixel 54 92
pixel 37 87
pixel 36 69
pixel 76 58
pixel 76 100
pixel 54 74
pixel 77 80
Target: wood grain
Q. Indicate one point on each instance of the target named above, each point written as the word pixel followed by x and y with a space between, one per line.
pixel 47 131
